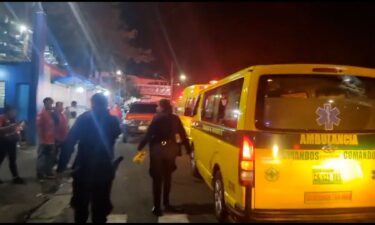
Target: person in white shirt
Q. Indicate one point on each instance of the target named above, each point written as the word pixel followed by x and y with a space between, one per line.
pixel 74 111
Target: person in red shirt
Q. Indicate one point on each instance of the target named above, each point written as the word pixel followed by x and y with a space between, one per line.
pixel 116 111
pixel 8 142
pixel 46 124
pixel 61 130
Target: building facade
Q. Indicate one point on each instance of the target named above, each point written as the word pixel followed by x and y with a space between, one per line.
pixel 29 71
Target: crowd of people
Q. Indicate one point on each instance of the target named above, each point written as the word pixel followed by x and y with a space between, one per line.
pixel 95 131
pixel 59 129
pixel 53 124
pixel 52 128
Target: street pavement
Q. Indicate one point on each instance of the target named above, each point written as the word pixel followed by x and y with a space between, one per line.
pixel 17 202
pixel 48 202
pixel 132 196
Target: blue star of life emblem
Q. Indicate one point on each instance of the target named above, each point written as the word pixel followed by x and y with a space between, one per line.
pixel 328 116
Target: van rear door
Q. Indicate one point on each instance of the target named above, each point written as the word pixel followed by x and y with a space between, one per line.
pixel 316 144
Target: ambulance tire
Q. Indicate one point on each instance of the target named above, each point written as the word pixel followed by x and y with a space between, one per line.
pixel 221 212
pixel 193 164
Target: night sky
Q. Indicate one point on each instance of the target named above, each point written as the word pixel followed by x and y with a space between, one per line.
pixel 213 40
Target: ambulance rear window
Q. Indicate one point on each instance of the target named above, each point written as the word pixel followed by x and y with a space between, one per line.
pixel 316 103
pixel 143 108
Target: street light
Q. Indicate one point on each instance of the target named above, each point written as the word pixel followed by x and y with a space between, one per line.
pixel 118 72
pixel 80 90
pixel 182 77
pixel 107 93
pixel 22 28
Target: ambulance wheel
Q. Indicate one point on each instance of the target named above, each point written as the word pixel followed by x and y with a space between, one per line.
pixel 220 208
pixel 193 164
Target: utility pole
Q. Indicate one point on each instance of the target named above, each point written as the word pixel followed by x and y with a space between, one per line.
pixel 171 81
pixel 37 69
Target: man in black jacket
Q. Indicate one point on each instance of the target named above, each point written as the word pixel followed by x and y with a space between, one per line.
pixel 93 170
pixel 165 135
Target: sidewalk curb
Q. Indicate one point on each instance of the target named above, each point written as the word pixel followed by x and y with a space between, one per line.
pixel 27 148
pixel 53 207
pixel 33 210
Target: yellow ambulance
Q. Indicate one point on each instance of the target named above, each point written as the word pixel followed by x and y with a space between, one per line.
pixel 184 109
pixel 186 104
pixel 289 142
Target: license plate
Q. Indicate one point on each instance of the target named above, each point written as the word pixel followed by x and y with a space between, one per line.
pixel 326 176
pixel 142 128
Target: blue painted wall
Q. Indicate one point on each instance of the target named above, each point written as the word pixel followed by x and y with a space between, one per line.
pixel 14 74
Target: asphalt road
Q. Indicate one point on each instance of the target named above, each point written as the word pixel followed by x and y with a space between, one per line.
pixel 132 196
pixel 17 201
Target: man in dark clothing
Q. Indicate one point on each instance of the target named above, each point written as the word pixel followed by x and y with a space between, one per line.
pixel 93 171
pixel 165 134
pixel 8 143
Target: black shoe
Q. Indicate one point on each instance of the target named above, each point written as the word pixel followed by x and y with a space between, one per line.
pixel 157 212
pixel 169 208
pixel 18 180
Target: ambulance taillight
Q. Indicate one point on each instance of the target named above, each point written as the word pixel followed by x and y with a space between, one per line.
pixel 246 167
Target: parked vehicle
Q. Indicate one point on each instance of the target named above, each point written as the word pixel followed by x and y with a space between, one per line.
pixel 137 119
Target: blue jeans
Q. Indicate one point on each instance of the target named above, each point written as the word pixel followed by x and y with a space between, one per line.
pixel 46 159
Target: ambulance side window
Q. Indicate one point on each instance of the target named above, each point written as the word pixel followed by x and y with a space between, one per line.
pixel 230 95
pixel 189 106
pixel 195 111
pixel 210 106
